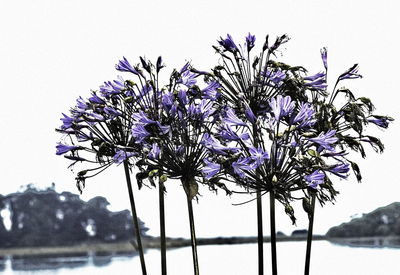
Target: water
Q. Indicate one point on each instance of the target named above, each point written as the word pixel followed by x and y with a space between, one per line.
pixel 327 259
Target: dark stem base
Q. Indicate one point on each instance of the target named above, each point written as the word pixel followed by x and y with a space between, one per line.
pixel 273 232
pixel 309 235
pixel 135 218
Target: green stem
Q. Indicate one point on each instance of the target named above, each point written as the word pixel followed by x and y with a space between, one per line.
pixel 260 234
pixel 309 235
pixel 273 232
pixel 135 218
pixel 162 229
pixel 193 235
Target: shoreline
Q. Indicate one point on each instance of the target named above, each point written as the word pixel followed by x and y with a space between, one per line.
pixel 128 249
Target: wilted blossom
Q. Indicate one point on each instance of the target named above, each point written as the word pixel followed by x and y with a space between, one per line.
pixel 324 56
pixel 326 140
pixel 380 121
pixel 315 178
pixel 341 170
pixel 351 73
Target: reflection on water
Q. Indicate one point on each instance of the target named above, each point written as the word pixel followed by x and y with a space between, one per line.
pixel 47 262
pixel 327 259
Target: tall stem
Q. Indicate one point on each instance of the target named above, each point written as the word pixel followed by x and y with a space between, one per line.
pixel 162 229
pixel 193 236
pixel 309 235
pixel 273 232
pixel 135 218
pixel 260 234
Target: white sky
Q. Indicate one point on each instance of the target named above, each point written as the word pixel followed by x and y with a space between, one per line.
pixel 52 51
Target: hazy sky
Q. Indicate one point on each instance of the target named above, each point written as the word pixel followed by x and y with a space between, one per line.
pixel 52 51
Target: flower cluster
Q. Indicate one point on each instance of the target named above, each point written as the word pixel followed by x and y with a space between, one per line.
pixel 281 129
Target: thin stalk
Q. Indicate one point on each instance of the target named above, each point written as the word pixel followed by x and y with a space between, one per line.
pixel 135 218
pixel 273 232
pixel 309 235
pixel 260 236
pixel 162 229
pixel 193 236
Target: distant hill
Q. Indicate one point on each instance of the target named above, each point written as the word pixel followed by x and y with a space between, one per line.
pixel 384 221
pixel 48 218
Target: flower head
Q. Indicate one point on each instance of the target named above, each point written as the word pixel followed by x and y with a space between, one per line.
pixel 211 169
pixel 124 66
pixel 281 106
pixel 325 140
pixel 62 148
pixel 250 40
pixel 228 44
pixel 315 178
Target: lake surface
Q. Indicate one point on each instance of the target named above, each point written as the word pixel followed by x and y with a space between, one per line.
pixel 327 259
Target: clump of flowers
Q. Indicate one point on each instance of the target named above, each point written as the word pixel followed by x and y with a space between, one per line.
pixel 282 130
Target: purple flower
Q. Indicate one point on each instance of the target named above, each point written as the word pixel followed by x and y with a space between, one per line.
pixel 205 108
pixel 226 132
pixel 81 105
pixel 241 166
pixel 154 152
pixel 258 155
pixel 163 128
pixel 210 92
pixel 167 100
pixel 275 77
pixel 317 81
pixel 62 148
pixel 281 106
pixel 324 56
pixel 325 140
pixel 231 118
pixel 139 132
pixel 351 73
pixel 215 145
pixel 110 88
pixel 67 122
pixel 340 170
pixel 96 100
pixel 111 112
pixel 122 155
pixel 142 118
pixel 314 179
pixel 380 121
pixel 124 66
pixel 249 114
pixel 187 77
pixel 94 117
pixel 250 41
pixel 305 115
pixel 228 44
pixel 183 97
pixel 211 169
